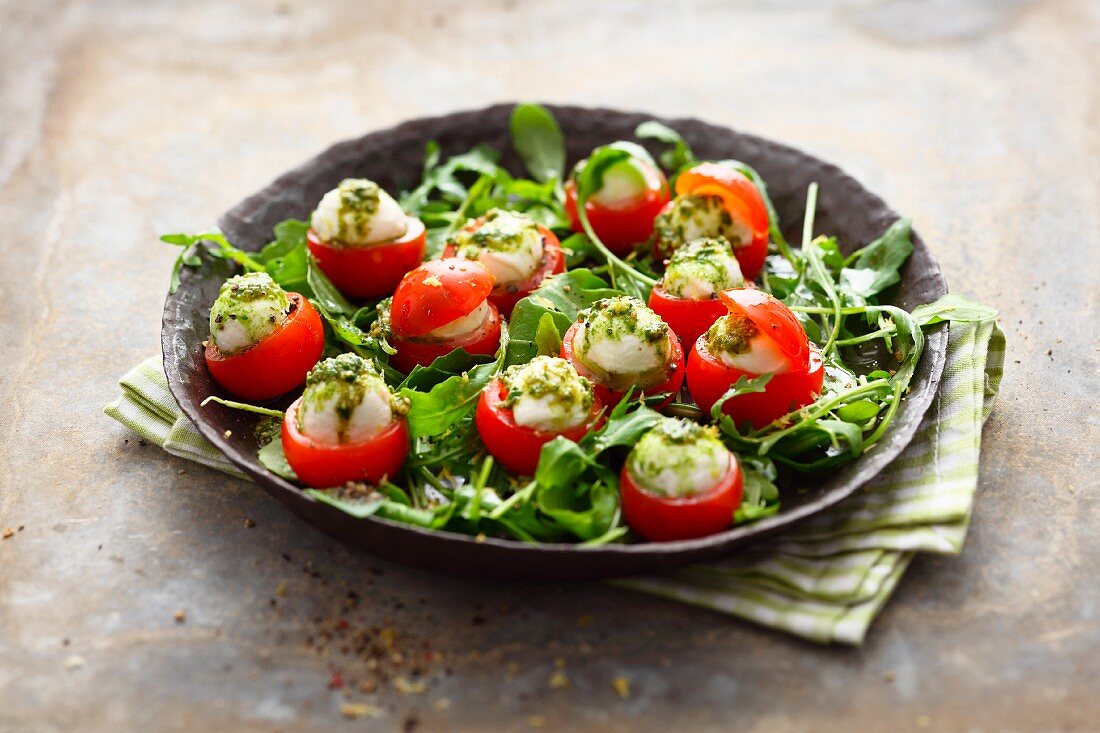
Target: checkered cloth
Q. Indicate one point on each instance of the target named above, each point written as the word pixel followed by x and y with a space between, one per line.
pixel 824 580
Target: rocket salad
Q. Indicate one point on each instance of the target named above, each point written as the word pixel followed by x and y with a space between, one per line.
pixel 623 351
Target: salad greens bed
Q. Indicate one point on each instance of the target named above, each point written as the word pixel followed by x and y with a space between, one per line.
pixel 449 483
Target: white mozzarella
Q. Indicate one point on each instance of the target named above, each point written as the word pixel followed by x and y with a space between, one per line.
pixel 762 357
pixel 338 218
pixel 548 413
pixel 462 326
pixel 319 419
pixel 622 355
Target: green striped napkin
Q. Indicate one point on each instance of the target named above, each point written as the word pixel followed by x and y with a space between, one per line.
pixel 824 580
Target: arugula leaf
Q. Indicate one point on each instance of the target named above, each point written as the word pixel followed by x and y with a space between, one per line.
pixel 761 495
pixel 874 268
pixel 743 385
pixel 547 337
pixel 953 307
pixel 274 459
pixel 538 140
pixel 286 258
pixel 330 299
pixel 676 159
pixel 423 378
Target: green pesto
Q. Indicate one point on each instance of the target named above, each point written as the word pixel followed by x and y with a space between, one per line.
pixel 253 300
pixel 546 376
pixel 731 335
pixel 624 315
pixel 677 451
pixel 708 260
pixel 499 231
pixel 703 212
pixel 344 381
pixel 360 198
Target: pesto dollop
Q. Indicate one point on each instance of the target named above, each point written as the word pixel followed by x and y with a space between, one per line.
pixel 500 230
pixel 623 342
pixel 248 308
pixel 701 269
pixel 731 334
pixel 358 212
pixel 693 217
pixel 547 393
pixel 678 458
pixel 347 400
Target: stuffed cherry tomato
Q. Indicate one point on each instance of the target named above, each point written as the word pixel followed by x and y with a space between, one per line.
pixel 530 405
pixel 622 211
pixel 362 240
pixel 619 343
pixel 687 297
pixel 715 200
pixel 263 340
pixel 439 307
pixel 758 336
pixel 518 251
pixel 680 482
pixel 346 426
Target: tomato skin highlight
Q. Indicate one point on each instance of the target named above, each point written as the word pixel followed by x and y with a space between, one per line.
pixel 610 397
pixel 621 228
pixel 372 271
pixel 743 202
pixel 517 447
pixel 436 293
pixel 278 363
pixel 505 297
pixel 322 466
pixel 413 351
pixel 688 318
pixel 708 379
pixel 665 519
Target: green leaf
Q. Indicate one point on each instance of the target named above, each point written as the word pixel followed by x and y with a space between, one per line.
pixel 286 258
pixel 538 141
pixel 625 429
pixel 875 267
pixel 859 411
pixel 953 307
pixel 761 495
pixel 672 160
pixel 328 297
pixel 743 385
pixel 423 378
pixel 358 504
pixel 274 460
pixel 547 337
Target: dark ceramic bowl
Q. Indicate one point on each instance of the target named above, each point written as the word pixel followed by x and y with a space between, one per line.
pixel 394 158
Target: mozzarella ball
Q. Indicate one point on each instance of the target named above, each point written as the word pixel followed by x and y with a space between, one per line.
pixel 508 243
pixel 738 343
pixel 467 324
pixel 547 394
pixel 701 269
pixel 358 213
pixel 623 342
pixel 625 181
pixel 695 217
pixel 346 401
pixel 249 307
pixel 678 458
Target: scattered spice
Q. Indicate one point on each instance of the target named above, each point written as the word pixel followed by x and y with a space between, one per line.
pixel 280 589
pixel 249 523
pixel 179 616
pixel 536 721
pixel 558 680
pixel 405 687
pixel 336 682
pixel 355 711
pixel 443 703
pixel 8 533
pixel 74 661
pixel 621 686
pixel 585 620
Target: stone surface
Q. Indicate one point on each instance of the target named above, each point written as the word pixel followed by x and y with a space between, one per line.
pixel 136 598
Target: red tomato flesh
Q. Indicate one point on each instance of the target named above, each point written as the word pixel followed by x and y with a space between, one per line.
pixel 609 397
pixel 505 297
pixel 628 223
pixel 688 318
pixel 372 271
pixel 423 351
pixel 278 363
pixel 322 466
pixel 436 293
pixel 664 519
pixel 517 447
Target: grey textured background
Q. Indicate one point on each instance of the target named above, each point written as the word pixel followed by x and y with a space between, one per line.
pixel 120 120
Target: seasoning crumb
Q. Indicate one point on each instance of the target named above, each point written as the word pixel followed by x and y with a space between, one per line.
pixel 405 687
pixel 513 669
pixel 74 661
pixel 228 434
pixel 479 537
pixel 558 680
pixel 336 682
pixel 443 703
pixel 280 589
pixel 559 662
pixel 888 677
pixel 585 620
pixel 355 711
pixel 179 616
pixel 622 687
pixel 8 532
pixel 536 721
pixel 249 523
pixel 368 686
pixel 923 721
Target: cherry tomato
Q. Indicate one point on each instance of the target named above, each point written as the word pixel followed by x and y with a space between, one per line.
pixel 688 318
pixel 772 317
pixel 423 351
pixel 607 396
pixel 517 447
pixel 505 297
pixel 372 271
pixel 624 224
pixel 663 518
pixel 436 293
pixel 278 363
pixel 743 202
pixel 709 377
pixel 322 466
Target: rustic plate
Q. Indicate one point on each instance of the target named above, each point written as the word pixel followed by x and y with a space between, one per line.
pixel 394 157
